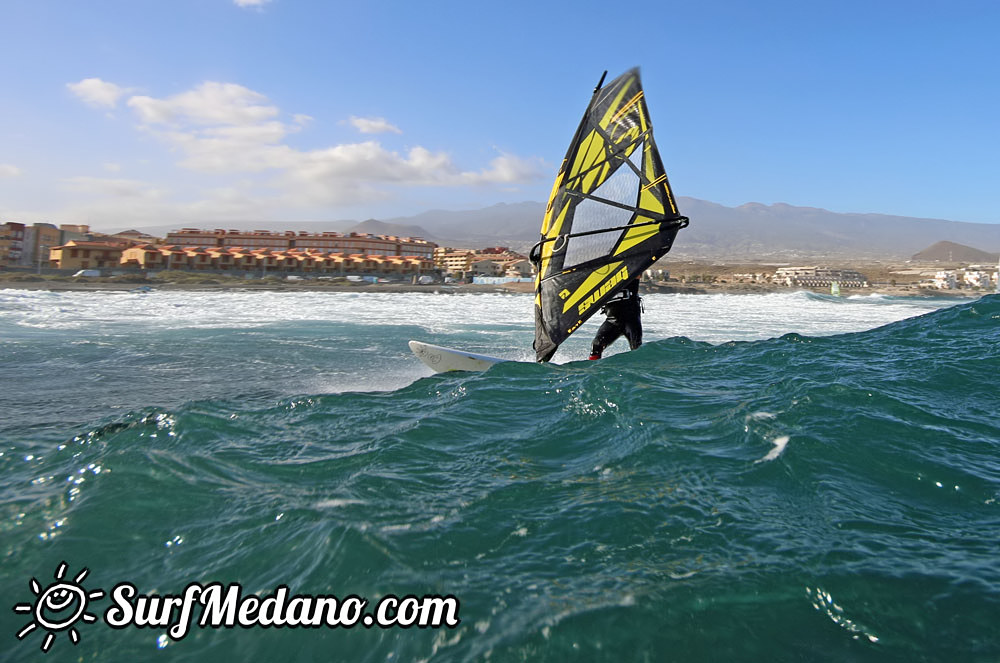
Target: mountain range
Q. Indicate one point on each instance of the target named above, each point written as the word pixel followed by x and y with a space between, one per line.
pixel 749 232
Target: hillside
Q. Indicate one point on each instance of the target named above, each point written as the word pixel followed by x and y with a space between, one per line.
pixel 754 231
pixel 375 227
pixel 952 252
pixel 747 233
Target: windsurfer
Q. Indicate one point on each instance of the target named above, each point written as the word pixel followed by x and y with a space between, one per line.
pixel 610 217
pixel 624 312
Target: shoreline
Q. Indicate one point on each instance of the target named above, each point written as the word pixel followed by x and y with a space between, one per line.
pixel 458 288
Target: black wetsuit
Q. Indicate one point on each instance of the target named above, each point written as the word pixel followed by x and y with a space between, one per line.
pixel 624 313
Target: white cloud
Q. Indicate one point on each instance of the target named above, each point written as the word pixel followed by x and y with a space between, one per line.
pixel 209 103
pixel 371 161
pixel 373 125
pixel 250 3
pixel 113 188
pixel 508 168
pixel 7 170
pixel 97 93
pixel 360 172
pixel 243 200
pixel 120 204
pixel 237 135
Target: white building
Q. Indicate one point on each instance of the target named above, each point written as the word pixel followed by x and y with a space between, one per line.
pixel 945 280
pixel 978 279
pixel 820 277
pixel 757 277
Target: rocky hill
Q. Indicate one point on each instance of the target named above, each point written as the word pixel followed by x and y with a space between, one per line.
pixel 952 252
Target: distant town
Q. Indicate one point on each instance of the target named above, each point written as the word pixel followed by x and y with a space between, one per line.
pixel 76 251
pixel 71 249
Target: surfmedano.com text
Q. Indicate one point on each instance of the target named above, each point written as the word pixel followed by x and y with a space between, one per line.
pixel 217 607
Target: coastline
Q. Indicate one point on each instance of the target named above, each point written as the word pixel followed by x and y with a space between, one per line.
pixel 213 285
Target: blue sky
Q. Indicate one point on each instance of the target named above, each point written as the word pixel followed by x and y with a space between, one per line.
pixel 126 113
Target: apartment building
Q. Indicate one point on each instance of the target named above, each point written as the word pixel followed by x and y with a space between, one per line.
pixel 493 261
pixel 331 242
pixel 87 255
pixel 11 243
pixel 267 261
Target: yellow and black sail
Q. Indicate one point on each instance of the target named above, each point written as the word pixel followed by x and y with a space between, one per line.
pixel 610 216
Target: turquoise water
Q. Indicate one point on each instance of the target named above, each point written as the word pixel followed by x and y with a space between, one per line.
pixel 815 487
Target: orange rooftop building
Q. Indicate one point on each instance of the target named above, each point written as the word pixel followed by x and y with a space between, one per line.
pixel 330 242
pixel 87 255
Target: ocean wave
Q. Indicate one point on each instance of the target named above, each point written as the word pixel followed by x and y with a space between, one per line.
pixel 750 499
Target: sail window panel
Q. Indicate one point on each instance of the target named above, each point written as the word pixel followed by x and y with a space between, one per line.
pixel 593 215
pixel 636 156
pixel 622 188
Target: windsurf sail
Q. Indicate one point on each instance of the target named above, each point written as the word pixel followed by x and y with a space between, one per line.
pixel 610 216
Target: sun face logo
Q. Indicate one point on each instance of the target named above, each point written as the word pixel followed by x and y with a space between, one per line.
pixel 58 607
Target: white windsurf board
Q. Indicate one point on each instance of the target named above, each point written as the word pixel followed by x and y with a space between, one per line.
pixel 447 359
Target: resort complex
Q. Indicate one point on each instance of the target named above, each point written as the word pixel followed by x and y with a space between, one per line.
pixel 69 249
pixel 817 277
pixel 256 252
pixel 328 242
pixel 252 253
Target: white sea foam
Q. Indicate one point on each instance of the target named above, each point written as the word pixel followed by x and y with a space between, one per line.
pixel 336 503
pixel 779 446
pixel 361 324
pixel 714 318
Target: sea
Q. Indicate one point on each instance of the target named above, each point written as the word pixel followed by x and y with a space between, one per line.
pixel 779 477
